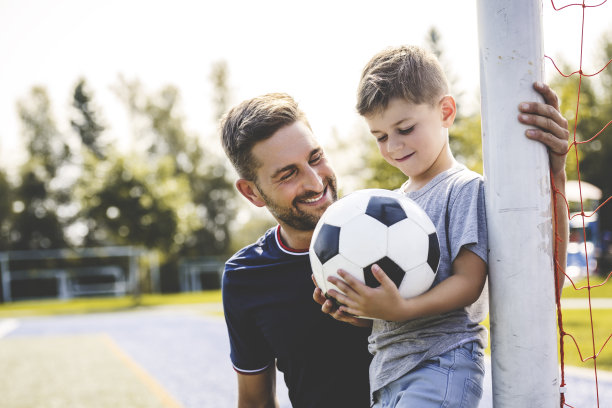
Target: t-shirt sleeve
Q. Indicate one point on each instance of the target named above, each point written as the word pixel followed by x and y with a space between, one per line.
pixel 249 350
pixel 467 220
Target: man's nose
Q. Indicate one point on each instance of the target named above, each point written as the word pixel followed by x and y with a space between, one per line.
pixel 313 180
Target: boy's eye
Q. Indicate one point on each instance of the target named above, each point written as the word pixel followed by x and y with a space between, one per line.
pixel 406 131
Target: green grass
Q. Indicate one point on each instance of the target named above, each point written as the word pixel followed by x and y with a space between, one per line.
pixel 104 304
pixel 577 323
pixel 603 291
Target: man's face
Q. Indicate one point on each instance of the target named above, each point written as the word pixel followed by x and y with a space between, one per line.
pixel 294 179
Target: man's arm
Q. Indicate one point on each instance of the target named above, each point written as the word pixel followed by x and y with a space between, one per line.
pixel 258 390
pixel 550 127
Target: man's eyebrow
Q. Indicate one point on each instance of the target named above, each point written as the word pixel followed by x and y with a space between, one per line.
pixel 316 150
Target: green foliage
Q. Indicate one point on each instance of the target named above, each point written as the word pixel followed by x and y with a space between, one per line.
pixel 466 142
pixel 593 150
pixel 190 179
pixel 169 194
pixel 86 123
pixel 382 175
pixel 40 192
pixel 5 211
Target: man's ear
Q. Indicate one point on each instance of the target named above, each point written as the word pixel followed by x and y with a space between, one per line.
pixel 448 109
pixel 249 190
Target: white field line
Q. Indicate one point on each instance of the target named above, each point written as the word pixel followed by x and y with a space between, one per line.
pixel 7 326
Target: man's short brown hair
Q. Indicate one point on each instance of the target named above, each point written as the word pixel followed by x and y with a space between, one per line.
pixel 252 121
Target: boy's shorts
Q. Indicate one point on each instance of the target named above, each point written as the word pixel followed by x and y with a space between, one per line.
pixel 452 380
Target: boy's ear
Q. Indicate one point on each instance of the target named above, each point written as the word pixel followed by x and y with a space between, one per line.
pixel 448 109
pixel 249 190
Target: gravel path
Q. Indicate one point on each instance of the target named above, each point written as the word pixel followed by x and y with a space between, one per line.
pixel 170 358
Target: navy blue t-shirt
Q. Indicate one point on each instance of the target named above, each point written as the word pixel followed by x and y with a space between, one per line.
pixel 271 317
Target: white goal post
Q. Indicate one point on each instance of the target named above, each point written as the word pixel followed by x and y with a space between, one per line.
pixel 519 215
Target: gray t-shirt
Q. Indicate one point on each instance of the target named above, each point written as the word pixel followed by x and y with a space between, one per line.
pixel 454 200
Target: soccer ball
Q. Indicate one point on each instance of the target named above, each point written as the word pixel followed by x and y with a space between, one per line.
pixel 376 226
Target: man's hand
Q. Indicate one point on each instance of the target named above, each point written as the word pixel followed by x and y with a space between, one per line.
pixel 330 308
pixel 551 130
pixel 549 127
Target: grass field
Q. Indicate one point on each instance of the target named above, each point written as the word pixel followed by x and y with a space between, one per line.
pixel 104 304
pixel 603 291
pixel 576 322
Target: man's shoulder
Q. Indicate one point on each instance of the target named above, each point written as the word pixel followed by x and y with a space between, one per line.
pixel 264 248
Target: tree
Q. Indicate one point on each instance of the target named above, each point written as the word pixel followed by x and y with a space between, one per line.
pixel 594 115
pixel 5 211
pixel 86 123
pixel 41 191
pixel 186 180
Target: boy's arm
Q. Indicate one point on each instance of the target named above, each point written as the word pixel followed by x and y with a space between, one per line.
pixel 550 128
pixel 459 290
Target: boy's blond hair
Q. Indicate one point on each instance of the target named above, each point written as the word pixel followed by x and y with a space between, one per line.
pixel 407 72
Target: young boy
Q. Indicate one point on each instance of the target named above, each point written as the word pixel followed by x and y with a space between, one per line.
pixel 428 350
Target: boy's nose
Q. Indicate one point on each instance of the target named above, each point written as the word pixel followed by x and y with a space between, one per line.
pixel 394 144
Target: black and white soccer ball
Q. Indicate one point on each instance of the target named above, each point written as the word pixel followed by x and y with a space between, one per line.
pixel 376 226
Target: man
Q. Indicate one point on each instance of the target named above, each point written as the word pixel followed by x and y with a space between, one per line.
pixel 271 318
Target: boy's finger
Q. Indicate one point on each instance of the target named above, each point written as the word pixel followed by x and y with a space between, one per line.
pixel 351 280
pixel 381 276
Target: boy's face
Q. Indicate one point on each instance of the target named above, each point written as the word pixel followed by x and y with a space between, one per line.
pixel 414 138
pixel 294 180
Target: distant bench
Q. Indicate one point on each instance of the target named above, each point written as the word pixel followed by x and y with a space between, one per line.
pixel 80 281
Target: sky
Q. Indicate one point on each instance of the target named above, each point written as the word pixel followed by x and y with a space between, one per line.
pixel 313 50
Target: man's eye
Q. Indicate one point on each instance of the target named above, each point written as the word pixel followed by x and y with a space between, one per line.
pixel 316 159
pixel 287 175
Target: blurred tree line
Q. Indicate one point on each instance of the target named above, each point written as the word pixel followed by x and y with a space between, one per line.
pixel 171 193
pixel 168 193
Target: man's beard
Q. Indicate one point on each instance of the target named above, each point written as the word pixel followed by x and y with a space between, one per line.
pixel 293 216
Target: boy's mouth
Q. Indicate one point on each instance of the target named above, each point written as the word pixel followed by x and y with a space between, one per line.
pixel 404 158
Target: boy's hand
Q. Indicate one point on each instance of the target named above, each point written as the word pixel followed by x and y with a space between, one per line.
pixel 550 127
pixel 328 307
pixel 361 300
